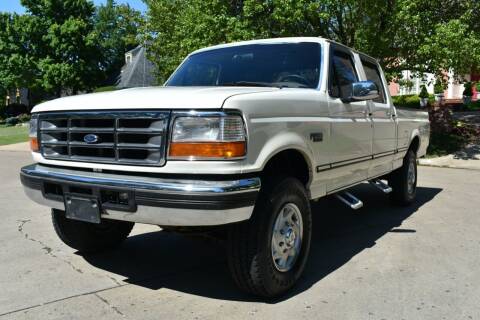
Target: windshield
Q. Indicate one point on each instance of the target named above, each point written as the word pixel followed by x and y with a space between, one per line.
pixel 295 65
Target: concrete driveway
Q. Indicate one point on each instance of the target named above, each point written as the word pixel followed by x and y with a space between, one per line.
pixel 380 262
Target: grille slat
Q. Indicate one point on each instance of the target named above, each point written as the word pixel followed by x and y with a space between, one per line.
pixel 88 130
pixel 121 137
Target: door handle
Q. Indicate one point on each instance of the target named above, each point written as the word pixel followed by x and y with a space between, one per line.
pixel 367 113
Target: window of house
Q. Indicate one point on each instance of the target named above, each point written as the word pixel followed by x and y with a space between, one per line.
pixel 373 74
pixel 343 74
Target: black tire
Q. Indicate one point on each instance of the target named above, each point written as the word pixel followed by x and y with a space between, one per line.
pixel 88 237
pixel 403 185
pixel 250 256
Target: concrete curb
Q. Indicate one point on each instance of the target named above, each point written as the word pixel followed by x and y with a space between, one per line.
pixel 450 162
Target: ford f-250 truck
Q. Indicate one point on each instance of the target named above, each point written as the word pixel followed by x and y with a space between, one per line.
pixel 240 138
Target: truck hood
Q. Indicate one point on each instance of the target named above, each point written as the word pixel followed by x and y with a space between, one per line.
pixel 150 98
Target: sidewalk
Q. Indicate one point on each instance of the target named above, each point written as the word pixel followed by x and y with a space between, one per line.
pixel 468 158
pixel 22 147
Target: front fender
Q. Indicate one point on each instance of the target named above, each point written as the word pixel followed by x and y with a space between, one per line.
pixel 280 142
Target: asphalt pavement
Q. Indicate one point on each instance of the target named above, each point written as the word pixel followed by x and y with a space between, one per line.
pixel 380 262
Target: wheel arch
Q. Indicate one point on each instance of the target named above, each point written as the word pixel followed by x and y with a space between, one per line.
pixel 415 144
pixel 292 161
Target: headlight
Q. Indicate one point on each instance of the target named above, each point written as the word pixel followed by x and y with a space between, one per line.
pixel 33 133
pixel 211 138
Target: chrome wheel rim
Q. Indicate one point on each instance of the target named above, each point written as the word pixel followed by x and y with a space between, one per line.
pixel 287 237
pixel 411 177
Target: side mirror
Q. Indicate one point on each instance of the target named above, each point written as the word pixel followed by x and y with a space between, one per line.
pixel 363 90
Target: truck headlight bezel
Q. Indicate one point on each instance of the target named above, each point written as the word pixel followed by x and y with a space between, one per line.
pixel 207 136
pixel 33 133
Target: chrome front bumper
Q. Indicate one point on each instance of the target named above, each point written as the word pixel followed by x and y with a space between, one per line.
pixel 151 200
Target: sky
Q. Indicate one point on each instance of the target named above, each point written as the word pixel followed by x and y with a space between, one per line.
pixel 15 6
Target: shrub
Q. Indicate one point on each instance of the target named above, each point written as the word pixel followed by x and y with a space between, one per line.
pixel 478 86
pixel 447 134
pixel 15 109
pixel 407 101
pixel 11 121
pixel 24 117
pixel 438 88
pixel 423 93
pixel 474 106
pixel 3 109
pixel 468 92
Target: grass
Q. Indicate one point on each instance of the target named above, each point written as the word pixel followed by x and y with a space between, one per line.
pixel 10 135
pixel 105 89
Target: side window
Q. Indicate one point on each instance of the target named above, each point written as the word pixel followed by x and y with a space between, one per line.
pixel 373 74
pixel 343 74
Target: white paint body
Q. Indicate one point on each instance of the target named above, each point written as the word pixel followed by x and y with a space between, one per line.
pixel 277 120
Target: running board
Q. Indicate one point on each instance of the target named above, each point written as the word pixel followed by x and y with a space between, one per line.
pixel 350 200
pixel 381 186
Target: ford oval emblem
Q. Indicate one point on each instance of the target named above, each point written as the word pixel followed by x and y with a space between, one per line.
pixel 91 138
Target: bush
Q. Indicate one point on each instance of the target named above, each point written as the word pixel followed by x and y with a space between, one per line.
pixel 24 117
pixel 473 106
pixel 447 134
pixel 3 109
pixel 468 92
pixel 15 109
pixel 442 144
pixel 478 86
pixel 407 101
pixel 423 93
pixel 438 88
pixel 12 121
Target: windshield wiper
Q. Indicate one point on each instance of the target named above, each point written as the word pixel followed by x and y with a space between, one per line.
pixel 248 84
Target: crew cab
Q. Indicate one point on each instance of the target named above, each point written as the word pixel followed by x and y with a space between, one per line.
pixel 241 138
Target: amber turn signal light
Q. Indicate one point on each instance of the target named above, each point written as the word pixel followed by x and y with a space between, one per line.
pixel 34 144
pixel 207 150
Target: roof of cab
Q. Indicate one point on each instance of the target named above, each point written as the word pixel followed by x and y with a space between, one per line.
pixel 264 41
pixel 279 40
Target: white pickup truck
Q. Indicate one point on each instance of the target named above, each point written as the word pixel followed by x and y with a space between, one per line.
pixel 240 139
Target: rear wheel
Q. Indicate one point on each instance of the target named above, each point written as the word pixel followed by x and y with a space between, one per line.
pixel 404 181
pixel 267 254
pixel 88 237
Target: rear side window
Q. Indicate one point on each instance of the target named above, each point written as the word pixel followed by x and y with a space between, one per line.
pixel 373 74
pixel 343 74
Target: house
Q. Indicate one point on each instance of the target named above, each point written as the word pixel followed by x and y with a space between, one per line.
pixel 454 91
pixel 17 96
pixel 138 70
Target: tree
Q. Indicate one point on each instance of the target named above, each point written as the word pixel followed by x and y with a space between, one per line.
pixel 437 36
pixel 66 55
pixel 17 52
pixel 419 35
pixel 116 28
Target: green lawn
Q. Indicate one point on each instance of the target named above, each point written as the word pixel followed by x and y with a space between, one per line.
pixel 9 135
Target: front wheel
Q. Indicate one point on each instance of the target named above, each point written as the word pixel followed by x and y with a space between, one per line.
pixel 88 237
pixel 267 254
pixel 404 181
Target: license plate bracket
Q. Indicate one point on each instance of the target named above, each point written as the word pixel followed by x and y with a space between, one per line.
pixel 82 208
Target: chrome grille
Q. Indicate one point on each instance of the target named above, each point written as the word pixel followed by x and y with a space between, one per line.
pixel 136 138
